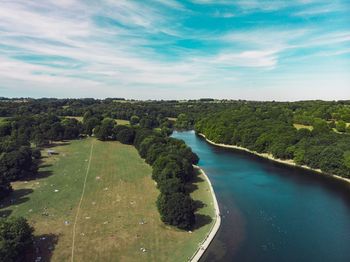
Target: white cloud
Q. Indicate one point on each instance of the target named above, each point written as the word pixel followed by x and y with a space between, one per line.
pixel 123 53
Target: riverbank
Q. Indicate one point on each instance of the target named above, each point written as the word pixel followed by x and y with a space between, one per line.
pixel 289 162
pixel 212 232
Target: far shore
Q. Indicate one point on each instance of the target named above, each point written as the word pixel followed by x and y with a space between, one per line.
pixel 214 229
pixel 289 162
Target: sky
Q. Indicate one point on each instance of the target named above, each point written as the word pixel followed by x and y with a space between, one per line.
pixel 173 49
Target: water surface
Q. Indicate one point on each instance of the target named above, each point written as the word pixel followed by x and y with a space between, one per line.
pixel 272 212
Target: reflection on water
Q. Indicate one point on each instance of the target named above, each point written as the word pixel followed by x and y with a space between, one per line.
pixel 273 212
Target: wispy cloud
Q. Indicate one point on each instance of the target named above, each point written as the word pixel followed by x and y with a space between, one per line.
pixel 125 47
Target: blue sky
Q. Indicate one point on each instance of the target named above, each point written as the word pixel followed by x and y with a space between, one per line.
pixel 172 49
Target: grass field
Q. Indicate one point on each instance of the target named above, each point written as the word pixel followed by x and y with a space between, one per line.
pixel 79 118
pixel 122 122
pixel 172 119
pixel 119 121
pixel 119 195
pixel 3 120
pixel 299 126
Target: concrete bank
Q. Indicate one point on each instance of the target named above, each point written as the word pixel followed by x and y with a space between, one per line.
pixel 214 229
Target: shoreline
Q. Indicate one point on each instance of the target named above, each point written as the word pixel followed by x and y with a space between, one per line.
pixel 289 162
pixel 214 229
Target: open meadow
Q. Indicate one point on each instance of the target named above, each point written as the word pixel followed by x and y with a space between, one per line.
pixel 118 121
pixel 95 201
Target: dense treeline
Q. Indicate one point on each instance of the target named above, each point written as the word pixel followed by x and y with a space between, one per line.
pixel 172 163
pixel 269 129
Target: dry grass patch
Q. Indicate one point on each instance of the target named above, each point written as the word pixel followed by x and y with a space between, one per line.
pixel 300 126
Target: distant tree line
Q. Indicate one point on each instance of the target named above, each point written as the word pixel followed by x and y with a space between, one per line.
pixel 269 129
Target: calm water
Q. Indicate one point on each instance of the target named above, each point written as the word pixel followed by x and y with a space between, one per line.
pixel 272 212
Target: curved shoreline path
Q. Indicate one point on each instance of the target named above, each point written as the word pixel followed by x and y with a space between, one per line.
pixel 214 229
pixel 80 201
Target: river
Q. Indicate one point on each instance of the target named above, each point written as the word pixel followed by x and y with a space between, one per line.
pixel 272 212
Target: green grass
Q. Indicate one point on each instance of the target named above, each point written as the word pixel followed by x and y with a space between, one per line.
pixel 172 119
pixel 122 122
pixel 119 194
pixel 3 120
pixel 119 121
pixel 79 118
pixel 299 126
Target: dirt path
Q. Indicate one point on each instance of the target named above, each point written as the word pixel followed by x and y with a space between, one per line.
pixel 80 201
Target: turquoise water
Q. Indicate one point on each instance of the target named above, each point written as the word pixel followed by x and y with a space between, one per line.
pixel 272 212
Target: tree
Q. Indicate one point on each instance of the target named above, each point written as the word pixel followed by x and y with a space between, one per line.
pixel 183 121
pixel 39 139
pixel 140 135
pixel 72 128
pixel 320 126
pixel 171 186
pixel 36 153
pixel 16 237
pixel 176 209
pixel 87 115
pixel 134 120
pixel 105 130
pixel 126 136
pixel 56 131
pixel 90 124
pixel 5 187
pixel 341 126
pixel 18 164
pixel 347 159
pixel 5 129
pixel 299 156
pixel 148 122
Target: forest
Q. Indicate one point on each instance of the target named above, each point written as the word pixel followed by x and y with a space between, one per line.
pixel 321 141
pixel 312 133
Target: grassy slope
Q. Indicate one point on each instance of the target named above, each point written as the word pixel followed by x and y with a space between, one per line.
pixel 119 121
pixel 119 194
pixel 122 122
pixel 299 126
pixel 3 120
